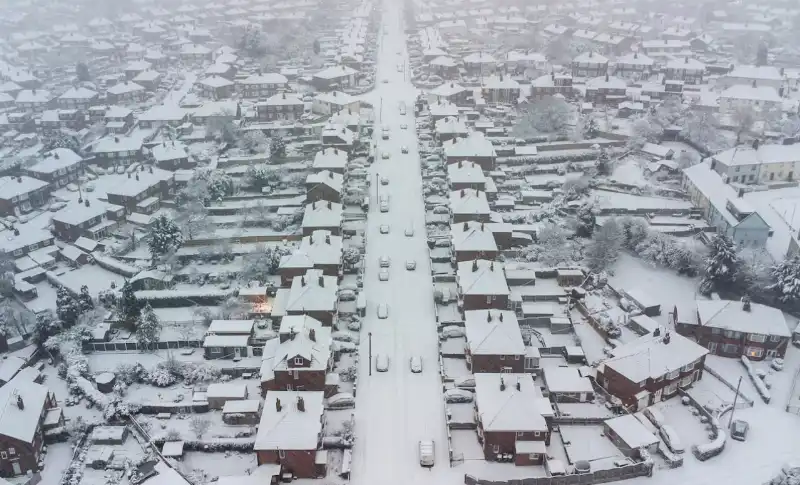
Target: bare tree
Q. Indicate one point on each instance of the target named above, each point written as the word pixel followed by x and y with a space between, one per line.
pixel 199 426
pixel 743 118
pixel 549 115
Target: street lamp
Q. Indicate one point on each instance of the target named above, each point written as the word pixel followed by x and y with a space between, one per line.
pixel 370 352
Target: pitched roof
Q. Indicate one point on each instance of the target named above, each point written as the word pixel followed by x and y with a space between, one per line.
pixel 469 201
pixel 306 293
pixel 507 408
pixel 472 236
pixel 326 177
pixel 730 315
pixel 21 424
pixel 493 332
pixel 648 357
pixel 474 145
pixel 482 277
pixel 289 428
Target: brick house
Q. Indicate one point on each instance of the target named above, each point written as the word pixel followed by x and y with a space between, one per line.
pixel 171 156
pixel 34 100
pixel 322 215
pixel 608 90
pixel 732 329
pixel 552 84
pixel 59 167
pixel 281 106
pixel 450 92
pixel 331 159
pixel 324 186
pixel 77 98
pixel 334 77
pixel 688 70
pixel 589 64
pixel 473 240
pixel 112 151
pixel 140 187
pixel 511 413
pixel 22 194
pixel 474 148
pixel 500 89
pixel 650 368
pixel 228 339
pixel 319 250
pixel 78 220
pixel 28 408
pixel 299 359
pixel 494 342
pixel 262 85
pixel 482 285
pixel 466 175
pixel 290 431
pixel 469 205
pixel 126 92
pixel 313 294
pixel 216 87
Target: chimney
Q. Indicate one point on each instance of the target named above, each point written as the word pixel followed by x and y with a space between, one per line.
pixel 606 77
pixel 463 193
pixel 301 405
pixel 330 205
pixel 635 55
pixel 278 406
pixel 686 60
pixel 474 265
pixel 740 192
pixel 312 334
pixel 466 225
pixel 137 177
pixel 501 316
pixel 55 155
pixel 321 280
pixel 460 163
pixel 311 239
pixel 16 231
pixel 330 175
pixel 86 202
pixel 502 384
pixel 491 266
pixel 20 402
pixel 327 239
pixel 657 332
pixel 314 205
pixel 488 316
pixel 19 179
pixel 746 303
pixel 129 175
pixel 302 281
pixel 666 338
pixel 116 139
pixel 756 144
pixel 519 385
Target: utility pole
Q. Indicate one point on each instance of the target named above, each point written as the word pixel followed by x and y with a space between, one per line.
pixel 377 187
pixel 370 354
pixel 735 398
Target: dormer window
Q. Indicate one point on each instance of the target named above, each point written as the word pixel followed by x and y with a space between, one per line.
pixel 298 361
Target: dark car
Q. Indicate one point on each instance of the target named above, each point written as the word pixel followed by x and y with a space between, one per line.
pixel 739 430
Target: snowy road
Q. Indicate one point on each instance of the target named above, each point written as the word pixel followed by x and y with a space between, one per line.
pixel 396 409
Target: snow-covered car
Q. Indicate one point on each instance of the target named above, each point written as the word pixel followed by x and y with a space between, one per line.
pixel 384 181
pixel 386 155
pixel 344 337
pixel 383 311
pixel 777 363
pixel 383 275
pixel 425 136
pixel 384 206
pixel 381 363
pixel 385 81
pixel 411 265
pixel 343 400
pixel 403 126
pixel 384 228
pixel 347 295
pixel 415 364
pixel 404 149
pixel 441 209
pixel 465 383
pixel 452 331
pixel 384 261
pixel 344 347
pixel 399 68
pixel 454 396
pixel 409 232
pixel 739 430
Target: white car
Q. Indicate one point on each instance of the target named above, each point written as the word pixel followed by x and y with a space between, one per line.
pixel 381 363
pixel 384 261
pixel 384 206
pixel 409 231
pixel 384 181
pixel 383 311
pixel 385 81
pixel 384 228
pixel 777 363
pixel 386 155
pixel 416 364
pixel 383 275
pixel 411 265
pixel 404 126
pixel 404 149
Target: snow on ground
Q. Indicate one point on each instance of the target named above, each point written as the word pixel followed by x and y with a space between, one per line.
pixel 606 199
pixel 57 459
pixel 218 464
pixel 629 171
pixel 587 443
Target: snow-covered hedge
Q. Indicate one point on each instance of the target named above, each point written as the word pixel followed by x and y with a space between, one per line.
pixel 214 444
pixel 115 266
pixel 760 386
pixel 711 449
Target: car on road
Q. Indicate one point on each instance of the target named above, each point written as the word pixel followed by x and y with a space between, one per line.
pixel 384 261
pixel 465 383
pixel 383 311
pixel 385 81
pixel 385 133
pixel 409 231
pixel 381 363
pixel 384 228
pixel 426 453
pixel 404 126
pixel 411 265
pixel 384 206
pixel 402 111
pixel 399 68
pixel 384 181
pixel 404 149
pixel 416 364
pixel 739 429
pixel 386 155
pixel 383 275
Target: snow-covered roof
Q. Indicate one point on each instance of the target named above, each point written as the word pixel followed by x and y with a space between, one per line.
pixel 10 366
pixel 751 93
pixel 472 236
pixel 322 214
pixel 335 72
pixel 326 177
pixel 147 76
pixel 606 82
pixel 233 390
pixel 337 98
pixel 139 65
pixel 117 112
pixel 282 99
pixel 687 63
pixel 320 248
pixel 710 184
pixel 469 202
pixel 266 78
pixel 482 277
pixel 765 73
pixel 76 214
pixel 330 158
pixel 124 88
pixel 500 82
pixel 215 108
pixel 444 61
pixel 78 93
pixel 34 96
pixel 649 357
pixel 312 343
pixel 225 341
pixel 195 49
pixel 631 431
pixel 163 112
pixel 731 315
pixel 284 426
pixel 517 56
pixel 112 144
pixel 465 172
pixel 307 294
pixel 448 89
pixel 474 145
pixel 590 57
pixel 480 58
pixel 22 422
pixel 635 59
pixel 566 379
pixel 451 124
pixel 501 406
pixel 764 154
pixel 223 327
pixel 55 160
pixel 169 151
pixel 493 332
pixel 665 43
pixel 11 187
pixel 243 406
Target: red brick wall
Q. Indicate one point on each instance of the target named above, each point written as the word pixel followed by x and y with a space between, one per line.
pixel 299 463
pixel 478 302
pixel 493 364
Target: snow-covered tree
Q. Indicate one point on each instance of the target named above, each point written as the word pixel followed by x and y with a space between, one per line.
pixel 85 301
pixel 743 117
pixel 643 131
pixel 199 426
pixel 787 280
pixel 603 165
pixel 554 248
pixel 223 128
pixel 218 183
pixel 148 328
pixel 667 114
pixel 635 230
pixel 164 238
pixel 45 327
pixel 687 158
pixel 191 216
pixel 129 306
pixel 549 115
pixel 251 41
pixel 262 263
pixel 160 376
pixel 260 176
pixel 590 128
pixel 82 72
pixel 722 266
pixel 351 257
pixel 762 54
pixel 700 128
pixel 67 308
pixel 254 141
pixel 232 308
pixel 606 243
pixel 59 139
pixel 277 147
pixel 575 187
pixel 586 221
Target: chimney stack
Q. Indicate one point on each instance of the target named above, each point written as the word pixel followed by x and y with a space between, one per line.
pixel 321 281
pixel 488 316
pixel 302 281
pixel 330 205
pixel 86 202
pixel 20 402
pixel 278 406
pixel 474 265
pixel 519 385
pixel 501 316
pixel 463 193
pixel 327 239
pixel 312 335
pixel 746 303
pixel 301 404
pixel 657 332
pixel 466 225
pixel 502 384
pixel 55 155
pixel 666 338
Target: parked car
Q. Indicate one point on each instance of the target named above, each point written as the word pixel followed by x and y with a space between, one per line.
pixel 384 206
pixel 386 155
pixel 342 400
pixel 426 453
pixel 384 261
pixel 739 429
pixel 465 383
pixel 409 231
pixel 384 181
pixel 403 126
pixel 383 311
pixel 411 265
pixel 416 364
pixel 404 149
pixel 381 363
pixel 384 228
pixel 671 438
pixel 777 363
pixel 383 275
pixel 458 396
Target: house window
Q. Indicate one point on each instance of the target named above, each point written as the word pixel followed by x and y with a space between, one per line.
pixel 731 334
pixel 537 433
pixel 730 348
pixel 673 375
pixel 516 357
pixel 495 448
pixel 519 434
pixel 216 350
pixel 687 367
pixel 488 299
pixel 502 357
pixel 754 337
pixel 671 389
pixel 3 455
pixel 12 451
pixel 774 338
pixel 686 381
pixel 534 456
pixel 754 352
pixel 298 361
pixel 281 454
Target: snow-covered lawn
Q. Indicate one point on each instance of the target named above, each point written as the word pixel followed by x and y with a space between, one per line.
pixel 465 442
pixel 609 200
pixel 455 368
pixel 629 171
pixel 587 443
pixel 226 463
pixel 56 460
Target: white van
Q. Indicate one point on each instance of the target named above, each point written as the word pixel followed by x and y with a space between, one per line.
pixel 426 455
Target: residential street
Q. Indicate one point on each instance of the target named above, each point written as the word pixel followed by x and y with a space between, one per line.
pixel 398 408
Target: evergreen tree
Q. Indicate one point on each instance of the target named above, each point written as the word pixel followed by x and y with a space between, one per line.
pixel 316 46
pixel 277 147
pixel 60 139
pixel 603 163
pixel 148 328
pixel 85 302
pixel 722 266
pixel 762 55
pixel 129 306
pixel 590 129
pixel 787 276
pixel 586 221
pixel 46 326
pixel 67 308
pixel 82 72
pixel 165 237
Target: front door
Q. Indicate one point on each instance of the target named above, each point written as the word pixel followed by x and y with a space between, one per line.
pixel 643 402
pixel 237 353
pixel 771 354
pixel 16 467
pixel 657 396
